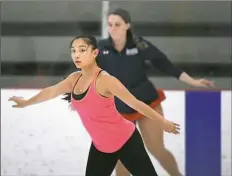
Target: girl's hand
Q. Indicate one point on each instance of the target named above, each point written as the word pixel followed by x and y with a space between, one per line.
pixel 171 127
pixel 20 102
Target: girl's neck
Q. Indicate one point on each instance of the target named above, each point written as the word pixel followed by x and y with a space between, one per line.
pixel 90 70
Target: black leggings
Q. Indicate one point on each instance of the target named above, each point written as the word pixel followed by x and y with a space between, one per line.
pixel 133 156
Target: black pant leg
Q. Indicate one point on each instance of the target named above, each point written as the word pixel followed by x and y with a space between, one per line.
pixel 99 163
pixel 135 158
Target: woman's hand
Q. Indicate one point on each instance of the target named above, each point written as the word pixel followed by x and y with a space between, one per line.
pixel 202 83
pixel 195 82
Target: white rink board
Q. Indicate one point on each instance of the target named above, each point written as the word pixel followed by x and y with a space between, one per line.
pixel 48 139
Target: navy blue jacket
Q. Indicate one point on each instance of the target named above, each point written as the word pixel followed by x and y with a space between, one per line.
pixel 129 67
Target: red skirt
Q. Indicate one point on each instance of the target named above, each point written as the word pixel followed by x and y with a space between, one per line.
pixel 136 115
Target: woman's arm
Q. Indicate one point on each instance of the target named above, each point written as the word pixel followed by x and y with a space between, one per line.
pixel 116 88
pixel 157 58
pixel 48 93
pixel 184 77
pixel 160 61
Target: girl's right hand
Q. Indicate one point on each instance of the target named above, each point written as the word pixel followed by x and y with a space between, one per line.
pixel 20 102
pixel 171 127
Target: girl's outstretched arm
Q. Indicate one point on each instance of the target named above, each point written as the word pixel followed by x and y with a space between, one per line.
pixel 47 93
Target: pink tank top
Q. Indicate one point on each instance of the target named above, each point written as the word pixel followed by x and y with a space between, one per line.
pixel 106 126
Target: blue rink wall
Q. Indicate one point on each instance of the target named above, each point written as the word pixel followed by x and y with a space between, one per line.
pixel 49 139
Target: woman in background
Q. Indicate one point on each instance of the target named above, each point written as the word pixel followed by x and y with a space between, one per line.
pixel 123 55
